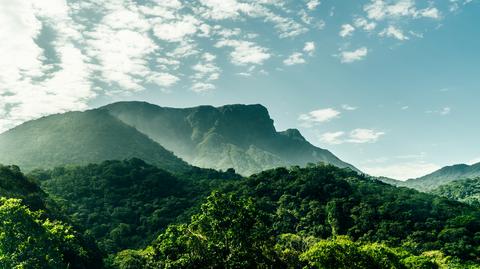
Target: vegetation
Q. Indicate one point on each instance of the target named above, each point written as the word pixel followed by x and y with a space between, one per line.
pixel 126 204
pixel 464 190
pixel 233 233
pixel 32 234
pixel 315 217
pixel 80 138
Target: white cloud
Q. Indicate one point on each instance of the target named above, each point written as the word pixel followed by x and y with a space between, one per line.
pixel 318 116
pixel 402 171
pixel 295 58
pixel 163 79
pixel 245 52
pixel 176 31
pixel 201 87
pixel 361 136
pixel 353 56
pixel 347 30
pixel 313 4
pixel 357 136
pixel 349 107
pixel 224 9
pixel 309 48
pixel 445 111
pixel 432 13
pixel 333 138
pixel 364 24
pixel 205 72
pixel 380 10
pixel 30 84
pixel 392 31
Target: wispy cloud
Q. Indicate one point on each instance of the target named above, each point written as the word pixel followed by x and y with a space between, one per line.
pixel 245 52
pixel 318 116
pixel 356 136
pixel 353 56
pixel 349 107
pixel 294 58
pixel 347 30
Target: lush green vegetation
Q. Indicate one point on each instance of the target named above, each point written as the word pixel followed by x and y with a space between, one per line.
pixel 464 190
pixel 80 138
pixel 126 204
pixel 235 233
pixel 144 217
pixel 33 234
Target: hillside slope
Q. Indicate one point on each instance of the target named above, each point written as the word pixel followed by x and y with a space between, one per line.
pixel 239 136
pixel 443 176
pixel 80 138
pixel 463 190
pixel 34 233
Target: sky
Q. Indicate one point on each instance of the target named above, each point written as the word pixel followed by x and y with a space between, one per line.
pixel 390 86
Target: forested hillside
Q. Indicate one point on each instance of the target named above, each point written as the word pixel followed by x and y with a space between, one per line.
pixel 318 217
pixel 80 138
pixel 34 234
pixel 464 190
pixel 443 176
pixel 281 218
pixel 126 204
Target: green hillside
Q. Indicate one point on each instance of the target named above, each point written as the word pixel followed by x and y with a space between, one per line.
pixel 80 138
pixel 126 204
pixel 443 176
pixel 239 136
pixel 317 217
pixel 283 218
pixel 34 234
pixel 463 190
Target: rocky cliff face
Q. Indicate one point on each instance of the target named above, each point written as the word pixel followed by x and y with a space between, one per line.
pixel 238 136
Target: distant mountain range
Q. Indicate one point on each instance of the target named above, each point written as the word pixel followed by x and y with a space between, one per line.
pixel 438 178
pixel 242 137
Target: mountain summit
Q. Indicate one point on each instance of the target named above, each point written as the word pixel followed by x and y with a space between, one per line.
pixel 239 136
pixel 242 137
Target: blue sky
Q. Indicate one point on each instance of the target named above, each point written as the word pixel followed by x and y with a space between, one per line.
pixel 389 86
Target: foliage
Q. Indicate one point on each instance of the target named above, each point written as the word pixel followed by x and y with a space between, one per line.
pixel 79 138
pixel 464 190
pixel 28 240
pixel 126 204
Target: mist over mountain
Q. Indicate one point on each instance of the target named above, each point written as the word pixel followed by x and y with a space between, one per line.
pixel 239 136
pixel 80 138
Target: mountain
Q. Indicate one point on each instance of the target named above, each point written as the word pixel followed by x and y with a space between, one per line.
pixel 463 190
pixel 242 137
pixel 80 138
pixel 443 176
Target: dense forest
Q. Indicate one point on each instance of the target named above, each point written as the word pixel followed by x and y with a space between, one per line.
pixel 34 233
pixel 464 190
pixel 131 214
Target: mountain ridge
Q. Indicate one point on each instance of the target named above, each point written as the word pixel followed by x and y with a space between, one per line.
pixel 238 136
pixel 80 138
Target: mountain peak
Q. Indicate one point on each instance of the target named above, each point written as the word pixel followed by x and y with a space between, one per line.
pixel 294 134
